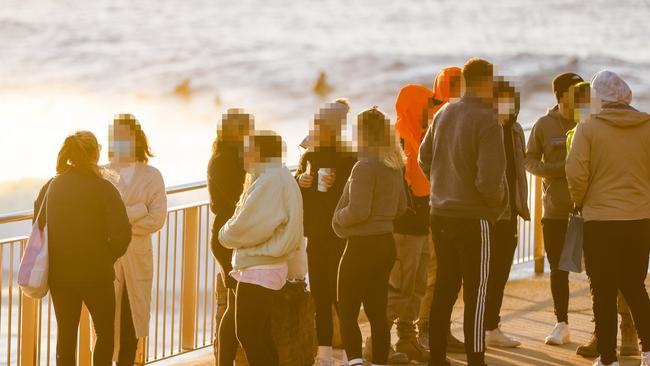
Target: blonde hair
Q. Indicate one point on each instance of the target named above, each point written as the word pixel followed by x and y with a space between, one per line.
pixel 80 150
pixel 376 137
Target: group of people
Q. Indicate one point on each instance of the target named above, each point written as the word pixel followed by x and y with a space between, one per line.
pixel 398 225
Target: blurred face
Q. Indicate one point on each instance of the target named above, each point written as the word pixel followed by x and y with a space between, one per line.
pixel 327 133
pixel 505 108
pixel 582 105
pixel 483 89
pixel 121 147
pixel 251 154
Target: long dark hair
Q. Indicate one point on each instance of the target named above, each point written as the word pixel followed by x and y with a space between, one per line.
pixel 79 150
pixel 142 149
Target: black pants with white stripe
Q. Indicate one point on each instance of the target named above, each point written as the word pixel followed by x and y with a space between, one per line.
pixel 463 250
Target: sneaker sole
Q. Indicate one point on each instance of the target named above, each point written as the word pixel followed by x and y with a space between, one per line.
pixel 552 342
pixel 498 345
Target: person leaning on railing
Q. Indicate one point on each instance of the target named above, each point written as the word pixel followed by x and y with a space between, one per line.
pixel 143 191
pixel 88 230
pixel 226 176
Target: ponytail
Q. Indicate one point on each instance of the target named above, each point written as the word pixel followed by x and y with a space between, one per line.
pixel 79 150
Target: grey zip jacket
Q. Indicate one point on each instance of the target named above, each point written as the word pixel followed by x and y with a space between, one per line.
pixel 464 157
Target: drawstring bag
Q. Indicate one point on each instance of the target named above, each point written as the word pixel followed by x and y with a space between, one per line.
pixel 34 266
pixel 571 258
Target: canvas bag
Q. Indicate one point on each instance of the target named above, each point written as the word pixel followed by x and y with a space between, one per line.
pixel 571 258
pixel 34 265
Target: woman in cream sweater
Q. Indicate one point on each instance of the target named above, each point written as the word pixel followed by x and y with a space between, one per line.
pixel 143 191
pixel 265 232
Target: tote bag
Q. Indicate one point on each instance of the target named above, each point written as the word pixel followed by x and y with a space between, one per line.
pixel 571 258
pixel 33 270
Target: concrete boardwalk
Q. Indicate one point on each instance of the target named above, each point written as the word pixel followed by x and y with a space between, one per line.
pixel 527 314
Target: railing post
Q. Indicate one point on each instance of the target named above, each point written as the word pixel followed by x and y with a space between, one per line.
pixel 140 352
pixel 190 241
pixel 539 236
pixel 85 348
pixel 28 331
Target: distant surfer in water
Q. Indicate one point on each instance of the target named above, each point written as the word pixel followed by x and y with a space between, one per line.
pixel 321 87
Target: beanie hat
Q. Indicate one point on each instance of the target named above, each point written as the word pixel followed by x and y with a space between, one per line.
pixel 563 82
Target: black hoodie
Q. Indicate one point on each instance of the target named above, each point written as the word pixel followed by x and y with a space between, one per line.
pixel 318 207
pixel 88 229
pixel 226 177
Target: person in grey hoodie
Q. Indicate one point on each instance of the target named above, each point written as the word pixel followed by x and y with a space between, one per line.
pixel 372 198
pixel 608 172
pixel 464 157
pixel 545 158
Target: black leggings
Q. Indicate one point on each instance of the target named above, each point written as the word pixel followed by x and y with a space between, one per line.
pixel 226 338
pixel 554 234
pixel 128 340
pixel 503 250
pixel 100 301
pixel 363 279
pixel 616 258
pixel 253 312
pixel 323 256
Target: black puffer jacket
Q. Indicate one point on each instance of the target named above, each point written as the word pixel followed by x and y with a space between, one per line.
pixel 88 229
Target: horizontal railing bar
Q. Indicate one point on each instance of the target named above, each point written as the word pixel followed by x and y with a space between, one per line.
pixel 13 240
pixel 181 188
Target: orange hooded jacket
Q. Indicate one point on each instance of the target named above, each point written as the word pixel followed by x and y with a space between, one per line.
pixel 412 102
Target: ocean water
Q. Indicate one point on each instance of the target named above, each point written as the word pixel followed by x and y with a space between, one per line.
pixel 73 64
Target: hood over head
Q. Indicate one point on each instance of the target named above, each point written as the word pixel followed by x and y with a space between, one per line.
pixel 609 87
pixel 442 86
pixel 411 107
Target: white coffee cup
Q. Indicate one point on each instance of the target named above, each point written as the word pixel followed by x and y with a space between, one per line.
pixel 322 173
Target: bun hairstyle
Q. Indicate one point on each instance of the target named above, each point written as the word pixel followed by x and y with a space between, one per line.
pixel 376 138
pixel 142 149
pixel 81 151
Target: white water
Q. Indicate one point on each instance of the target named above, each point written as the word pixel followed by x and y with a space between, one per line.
pixel 67 65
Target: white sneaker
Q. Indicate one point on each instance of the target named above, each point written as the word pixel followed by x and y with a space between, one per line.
pixel 598 362
pixel 323 362
pixel 496 338
pixel 645 359
pixel 560 335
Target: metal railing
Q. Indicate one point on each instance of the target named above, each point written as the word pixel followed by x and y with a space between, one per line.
pixel 184 287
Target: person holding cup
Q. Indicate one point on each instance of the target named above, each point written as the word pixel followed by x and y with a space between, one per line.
pixel 321 174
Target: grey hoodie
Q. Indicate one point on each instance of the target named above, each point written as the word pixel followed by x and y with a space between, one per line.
pixel 464 157
pixel 608 168
pixel 546 157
